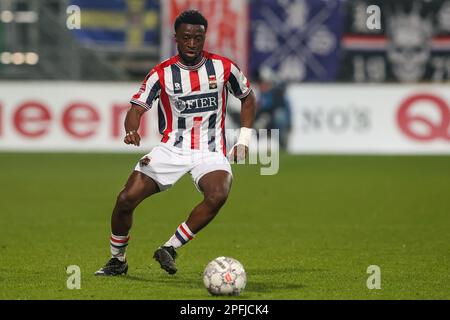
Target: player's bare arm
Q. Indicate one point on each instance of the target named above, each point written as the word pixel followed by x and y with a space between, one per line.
pixel 132 121
pixel 248 111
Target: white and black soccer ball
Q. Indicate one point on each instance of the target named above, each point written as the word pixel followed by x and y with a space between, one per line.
pixel 224 276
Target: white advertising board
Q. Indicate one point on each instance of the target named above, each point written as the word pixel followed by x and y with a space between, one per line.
pixel 70 116
pixel 355 119
pixel 370 119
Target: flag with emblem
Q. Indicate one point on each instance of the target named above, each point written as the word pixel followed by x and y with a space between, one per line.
pixel 123 23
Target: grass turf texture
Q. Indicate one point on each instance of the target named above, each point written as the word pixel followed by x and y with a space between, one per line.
pixel 309 232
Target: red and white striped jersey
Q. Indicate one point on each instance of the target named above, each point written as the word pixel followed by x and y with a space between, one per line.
pixel 193 100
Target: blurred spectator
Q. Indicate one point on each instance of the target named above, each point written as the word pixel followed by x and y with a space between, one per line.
pixel 274 111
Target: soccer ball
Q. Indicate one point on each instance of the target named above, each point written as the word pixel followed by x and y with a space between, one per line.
pixel 224 276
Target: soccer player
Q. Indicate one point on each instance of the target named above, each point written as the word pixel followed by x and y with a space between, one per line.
pixel 192 88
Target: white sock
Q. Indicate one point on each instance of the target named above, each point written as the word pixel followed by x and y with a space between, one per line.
pixel 118 245
pixel 181 236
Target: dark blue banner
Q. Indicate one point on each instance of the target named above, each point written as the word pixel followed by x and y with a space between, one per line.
pixel 298 39
pixel 125 23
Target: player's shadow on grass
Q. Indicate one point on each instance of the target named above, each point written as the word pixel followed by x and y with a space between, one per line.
pixel 191 279
pixel 180 279
pixel 134 278
pixel 284 270
pixel 270 286
pixel 266 286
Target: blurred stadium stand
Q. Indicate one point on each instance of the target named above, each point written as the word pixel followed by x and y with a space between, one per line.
pixel 302 40
pixel 36 44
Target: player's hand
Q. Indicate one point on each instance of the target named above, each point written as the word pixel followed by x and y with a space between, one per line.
pixel 238 153
pixel 132 137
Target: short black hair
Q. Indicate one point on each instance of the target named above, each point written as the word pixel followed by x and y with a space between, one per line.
pixel 190 17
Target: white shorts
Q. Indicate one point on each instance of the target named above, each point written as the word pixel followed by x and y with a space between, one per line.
pixel 168 164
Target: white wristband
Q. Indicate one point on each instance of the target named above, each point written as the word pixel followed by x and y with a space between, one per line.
pixel 244 136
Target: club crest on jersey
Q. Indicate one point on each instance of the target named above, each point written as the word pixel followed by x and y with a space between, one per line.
pixel 198 103
pixel 212 82
pixel 180 105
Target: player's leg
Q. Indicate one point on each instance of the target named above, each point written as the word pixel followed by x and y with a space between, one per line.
pixel 215 186
pixel 138 187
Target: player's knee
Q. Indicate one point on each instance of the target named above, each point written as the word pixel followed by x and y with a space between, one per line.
pixel 126 201
pixel 216 199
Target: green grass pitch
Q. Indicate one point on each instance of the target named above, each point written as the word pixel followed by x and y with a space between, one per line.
pixel 309 232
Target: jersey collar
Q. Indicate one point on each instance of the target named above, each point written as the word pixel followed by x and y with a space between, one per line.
pixel 194 67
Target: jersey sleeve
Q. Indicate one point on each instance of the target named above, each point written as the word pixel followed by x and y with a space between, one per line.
pixel 237 83
pixel 149 91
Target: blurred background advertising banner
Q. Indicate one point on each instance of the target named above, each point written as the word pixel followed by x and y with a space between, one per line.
pixel 413 43
pixel 365 119
pixel 228 27
pixel 123 23
pixel 298 40
pixel 70 116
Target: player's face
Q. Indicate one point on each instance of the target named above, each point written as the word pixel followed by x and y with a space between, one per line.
pixel 190 40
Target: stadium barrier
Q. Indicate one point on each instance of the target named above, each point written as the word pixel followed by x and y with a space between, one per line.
pixel 359 119
pixel 69 116
pixel 370 119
